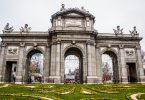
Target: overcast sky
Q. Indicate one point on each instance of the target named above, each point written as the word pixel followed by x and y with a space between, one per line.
pixel 108 13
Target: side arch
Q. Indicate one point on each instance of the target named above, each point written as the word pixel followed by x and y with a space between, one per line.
pixel 34 67
pixel 33 49
pixel 115 67
pixel 110 49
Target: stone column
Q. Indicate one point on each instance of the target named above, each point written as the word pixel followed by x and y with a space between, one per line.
pixel 53 63
pixel 2 59
pixel 85 69
pixel 139 67
pixel 89 59
pixel 62 69
pixel 92 77
pixel 47 64
pixel 99 64
pixel 19 68
pixel 58 57
pixel 93 60
pixel 123 68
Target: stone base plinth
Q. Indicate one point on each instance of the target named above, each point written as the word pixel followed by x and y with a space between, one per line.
pixel 54 79
pixel 124 80
pixel 46 79
pixel 18 82
pixel 99 80
pixel 1 79
pixel 142 79
pixel 92 79
pixel 18 79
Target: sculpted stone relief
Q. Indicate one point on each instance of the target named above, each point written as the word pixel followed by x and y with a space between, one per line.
pixel 12 51
pixel 73 23
pixel 129 52
pixel 73 14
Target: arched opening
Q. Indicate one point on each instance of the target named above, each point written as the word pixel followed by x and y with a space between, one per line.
pixel 131 70
pixel 110 73
pixel 10 71
pixel 34 71
pixel 73 69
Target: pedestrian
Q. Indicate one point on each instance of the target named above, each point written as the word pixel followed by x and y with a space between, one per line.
pixel 14 76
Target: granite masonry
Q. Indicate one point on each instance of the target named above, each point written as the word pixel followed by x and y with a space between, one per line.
pixel 72 32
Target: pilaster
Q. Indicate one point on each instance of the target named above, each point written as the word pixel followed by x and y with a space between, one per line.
pixel 58 62
pixel 139 67
pixel 123 68
pixel 99 64
pixel 55 63
pixel 2 61
pixel 47 64
pixel 19 70
pixel 92 74
pixel 89 59
pixel 53 59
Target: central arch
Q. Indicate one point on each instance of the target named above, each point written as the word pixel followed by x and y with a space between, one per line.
pixel 73 66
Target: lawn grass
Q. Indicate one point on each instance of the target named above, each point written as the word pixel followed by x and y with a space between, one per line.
pixel 70 91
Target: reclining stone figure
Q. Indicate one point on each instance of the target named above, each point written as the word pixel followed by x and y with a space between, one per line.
pixel 8 29
pixel 25 29
pixel 118 31
pixel 134 31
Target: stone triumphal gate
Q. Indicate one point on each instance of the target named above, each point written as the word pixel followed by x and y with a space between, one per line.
pixel 30 56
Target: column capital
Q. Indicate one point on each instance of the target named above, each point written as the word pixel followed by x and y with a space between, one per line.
pixel 58 41
pixel 48 45
pixel 22 44
pixel 54 42
pixel 138 47
pixel 97 46
pixel 90 42
pixel 4 44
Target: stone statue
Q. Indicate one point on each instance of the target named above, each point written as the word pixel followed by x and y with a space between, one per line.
pixel 118 31
pixel 82 8
pixel 134 31
pixel 8 29
pixel 25 29
pixel 12 51
pixel 62 7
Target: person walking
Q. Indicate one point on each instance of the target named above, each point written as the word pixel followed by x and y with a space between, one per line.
pixel 14 76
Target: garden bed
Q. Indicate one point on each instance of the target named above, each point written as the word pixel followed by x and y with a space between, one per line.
pixel 70 91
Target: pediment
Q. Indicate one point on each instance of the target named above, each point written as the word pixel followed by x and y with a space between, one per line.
pixel 74 12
